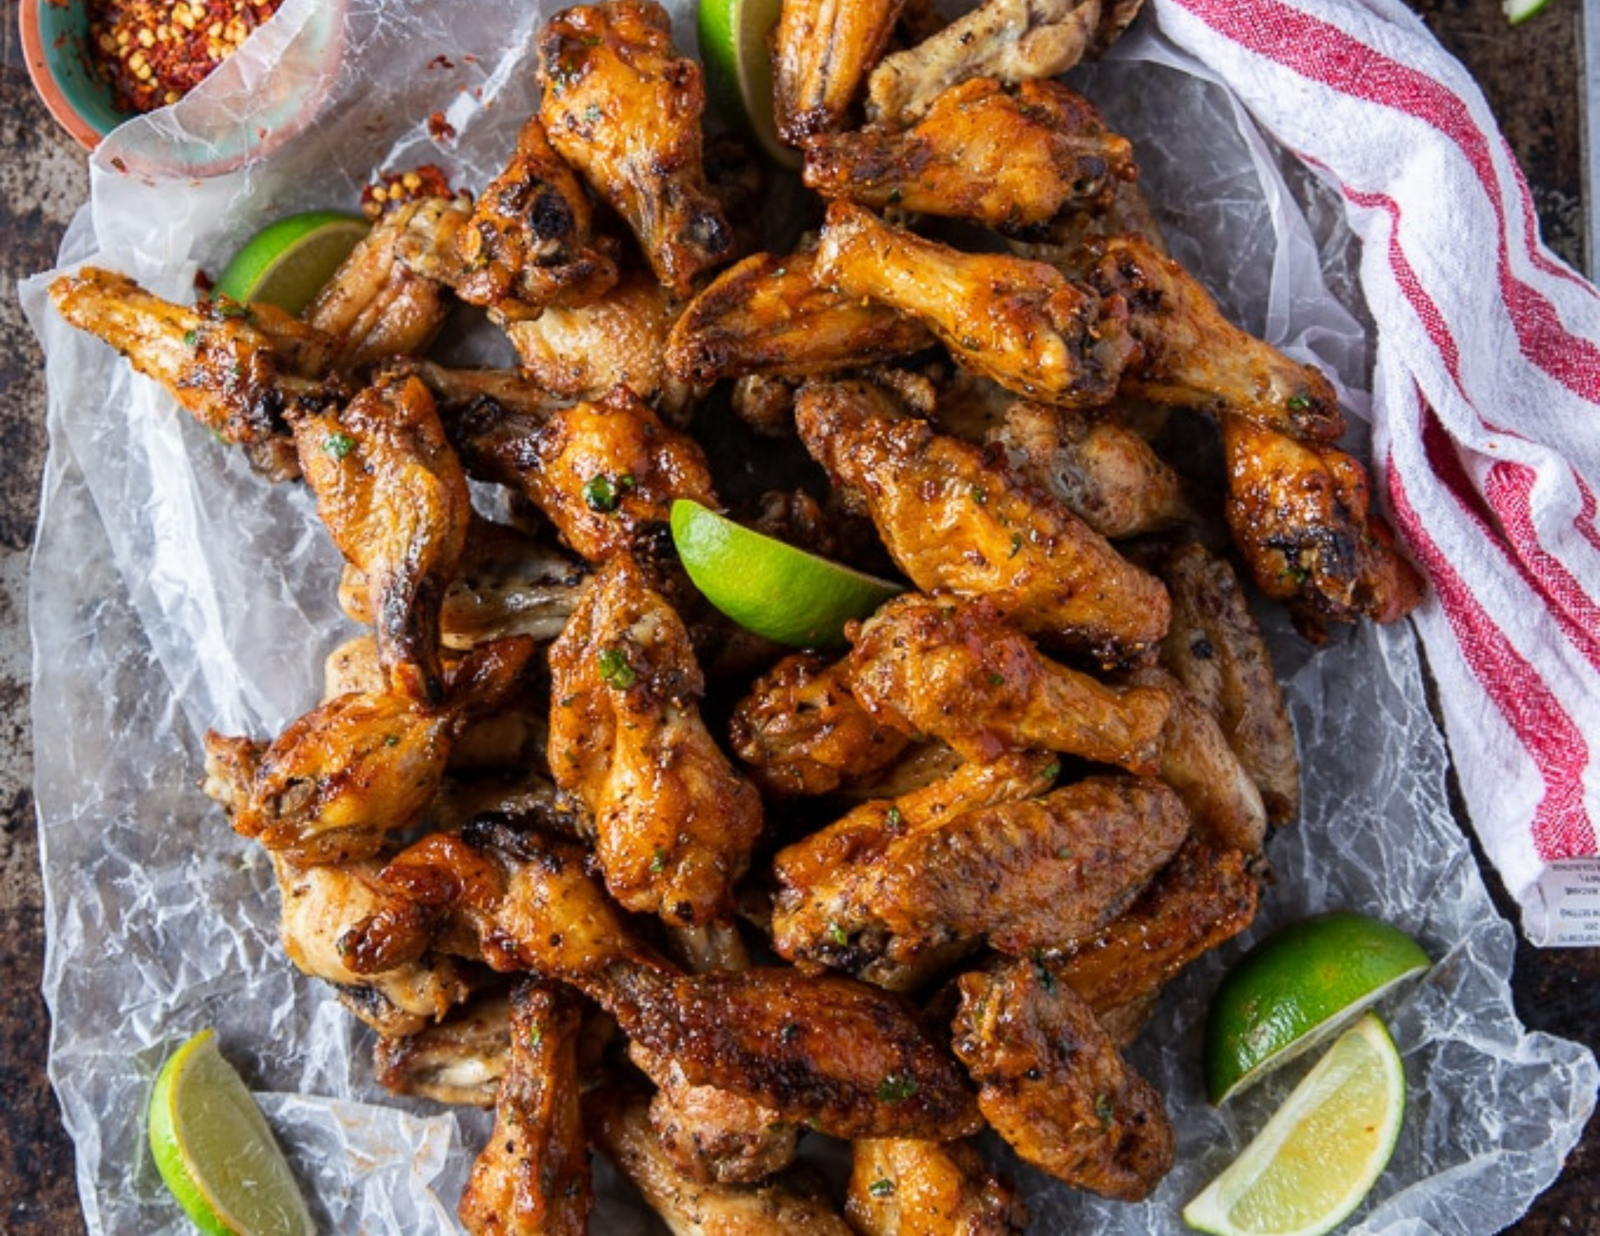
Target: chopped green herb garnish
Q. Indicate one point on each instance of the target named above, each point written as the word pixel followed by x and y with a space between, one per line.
pixel 615 670
pixel 339 444
pixel 881 1188
pixel 603 493
pixel 896 1089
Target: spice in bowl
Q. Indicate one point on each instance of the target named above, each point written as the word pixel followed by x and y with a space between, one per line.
pixel 153 52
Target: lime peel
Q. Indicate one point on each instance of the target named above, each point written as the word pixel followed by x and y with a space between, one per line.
pixel 768 586
pixel 289 261
pixel 1518 11
pixel 738 69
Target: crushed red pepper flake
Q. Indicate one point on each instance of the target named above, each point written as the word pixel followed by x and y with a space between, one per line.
pixel 153 52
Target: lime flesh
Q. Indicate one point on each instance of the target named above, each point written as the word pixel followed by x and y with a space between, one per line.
pixel 215 1150
pixel 1321 1152
pixel 769 587
pixel 1298 988
pixel 288 262
pixel 1518 11
pixel 733 47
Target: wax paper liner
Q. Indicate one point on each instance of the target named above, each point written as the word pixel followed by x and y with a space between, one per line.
pixel 174 591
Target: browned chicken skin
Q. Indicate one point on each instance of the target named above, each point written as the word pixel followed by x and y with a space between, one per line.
pixel 900 1187
pixel 604 473
pixel 822 51
pixel 1053 1085
pixel 459 1060
pixel 955 518
pixel 1016 321
pixel 675 822
pixel 768 315
pixel 532 1179
pixel 957 670
pixel 623 109
pixel 1009 158
pixel 394 499
pixel 711 1134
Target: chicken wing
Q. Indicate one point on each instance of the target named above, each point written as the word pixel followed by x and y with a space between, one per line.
pixel 1009 158
pixel 1025 875
pixel 956 670
pixel 1053 1086
pixel 800 731
pixel 1215 648
pixel 900 1187
pixel 605 473
pixel 234 368
pixel 955 518
pixel 791 1205
pixel 532 1178
pixel 1104 473
pixel 1013 40
pixel 674 822
pixel 394 499
pixel 822 51
pixel 1018 322
pixel 459 1060
pixel 712 1135
pixel 623 108
pixel 768 315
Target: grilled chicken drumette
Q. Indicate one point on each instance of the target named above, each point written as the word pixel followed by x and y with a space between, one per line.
pixel 822 51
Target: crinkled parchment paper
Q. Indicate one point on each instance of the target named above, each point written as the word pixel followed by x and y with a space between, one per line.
pixel 174 591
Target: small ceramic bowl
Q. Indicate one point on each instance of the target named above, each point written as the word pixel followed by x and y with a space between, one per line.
pixel 55 41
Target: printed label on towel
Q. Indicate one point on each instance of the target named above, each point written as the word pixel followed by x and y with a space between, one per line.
pixel 1570 891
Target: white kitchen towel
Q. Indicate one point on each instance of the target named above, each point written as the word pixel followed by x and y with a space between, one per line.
pixel 1486 409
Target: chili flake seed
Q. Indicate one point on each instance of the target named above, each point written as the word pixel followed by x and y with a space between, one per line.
pixel 393 189
pixel 153 52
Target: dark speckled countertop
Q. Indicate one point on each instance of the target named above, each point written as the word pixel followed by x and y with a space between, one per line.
pixel 1532 76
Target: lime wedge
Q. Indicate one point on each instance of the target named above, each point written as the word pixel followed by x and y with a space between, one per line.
pixel 1321 1152
pixel 213 1148
pixel 1298 988
pixel 769 587
pixel 738 68
pixel 288 262
pixel 1518 11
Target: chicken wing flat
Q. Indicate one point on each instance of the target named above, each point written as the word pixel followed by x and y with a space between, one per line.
pixel 1215 648
pixel 1203 897
pixel 1025 875
pixel 1016 321
pixel 394 499
pixel 800 731
pixel 1009 158
pixel 1054 1087
pixel 1301 516
pixel 623 109
pixel 1104 473
pixel 618 338
pixel 957 670
pixel 604 473
pixel 674 822
pixel 822 51
pixel 900 1187
pixel 380 303
pixel 955 518
pixel 459 1060
pixel 532 1178
pixel 528 243
pixel 234 368
pixel 1013 40
pixel 768 315
pixel 794 1204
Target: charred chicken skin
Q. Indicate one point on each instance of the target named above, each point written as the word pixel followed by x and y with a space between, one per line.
pixel 822 51
pixel 900 1187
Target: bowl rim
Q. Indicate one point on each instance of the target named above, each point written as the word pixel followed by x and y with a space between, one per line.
pixel 41 69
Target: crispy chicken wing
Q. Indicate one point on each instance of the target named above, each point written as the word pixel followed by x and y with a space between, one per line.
pixel 957 670
pixel 791 1205
pixel 1013 40
pixel 394 499
pixel 800 731
pixel 1215 648
pixel 955 518
pixel 675 822
pixel 1051 1083
pixel 234 368
pixel 605 473
pixel 623 108
pixel 1010 158
pixel 459 1060
pixel 1016 321
pixel 900 1187
pixel 1026 874
pixel 822 51
pixel 713 1135
pixel 768 315
pixel 532 1179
